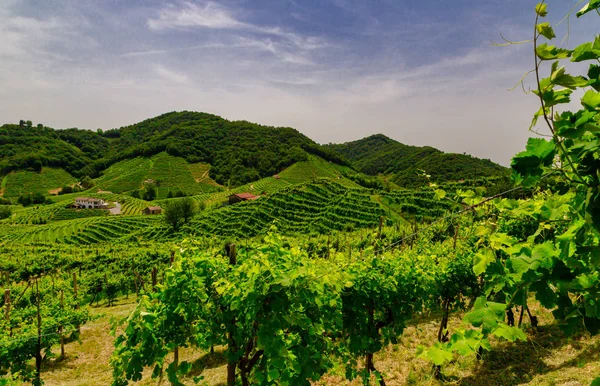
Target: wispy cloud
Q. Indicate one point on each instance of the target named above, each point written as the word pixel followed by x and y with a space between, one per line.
pixel 170 75
pixel 143 53
pixel 337 70
pixel 211 15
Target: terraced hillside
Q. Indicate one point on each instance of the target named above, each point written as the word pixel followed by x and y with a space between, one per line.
pixel 320 206
pixel 167 172
pixel 25 181
pixel 88 230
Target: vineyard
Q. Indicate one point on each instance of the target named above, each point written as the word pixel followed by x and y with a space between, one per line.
pixel 33 182
pixel 329 276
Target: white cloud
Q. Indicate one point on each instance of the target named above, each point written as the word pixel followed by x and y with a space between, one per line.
pixel 214 16
pixel 170 75
pixel 143 53
pixel 211 15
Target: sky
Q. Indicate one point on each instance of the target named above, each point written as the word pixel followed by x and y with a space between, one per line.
pixel 423 72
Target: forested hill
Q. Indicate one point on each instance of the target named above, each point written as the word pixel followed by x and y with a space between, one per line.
pixel 239 151
pixel 405 164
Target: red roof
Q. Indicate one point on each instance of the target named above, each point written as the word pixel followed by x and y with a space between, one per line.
pixel 246 196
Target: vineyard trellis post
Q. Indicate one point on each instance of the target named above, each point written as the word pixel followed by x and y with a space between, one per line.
pixel 7 304
pixel 62 336
pixel 75 290
pixel 38 351
pixel 154 273
pixel 231 364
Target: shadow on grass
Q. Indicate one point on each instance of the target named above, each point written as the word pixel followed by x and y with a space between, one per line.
pixel 207 361
pixel 520 362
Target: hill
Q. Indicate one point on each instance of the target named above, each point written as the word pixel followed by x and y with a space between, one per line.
pixel 238 152
pixel 405 164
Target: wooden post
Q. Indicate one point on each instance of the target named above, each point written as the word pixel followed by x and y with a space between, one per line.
pixel 176 357
pixel 380 226
pixel 172 257
pixel 231 366
pixel 38 351
pixel 154 272
pixel 7 304
pixel 456 234
pixel 75 290
pixel 62 337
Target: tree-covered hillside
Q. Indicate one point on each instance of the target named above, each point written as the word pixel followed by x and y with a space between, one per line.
pixel 379 154
pixel 24 147
pixel 239 152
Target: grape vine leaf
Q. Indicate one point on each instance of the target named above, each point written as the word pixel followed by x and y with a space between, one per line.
pixel 591 99
pixel 541 9
pixel 587 51
pixel 546 52
pixel 546 30
pixel 482 259
pixel 509 333
pixel 486 314
pixel 589 7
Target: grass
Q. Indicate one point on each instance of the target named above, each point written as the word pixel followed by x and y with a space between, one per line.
pixel 48 179
pixel 548 358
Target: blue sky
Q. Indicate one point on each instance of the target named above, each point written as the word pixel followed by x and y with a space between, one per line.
pixel 422 72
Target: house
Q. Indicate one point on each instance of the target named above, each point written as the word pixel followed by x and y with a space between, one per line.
pixel 152 210
pixel 234 198
pixel 90 203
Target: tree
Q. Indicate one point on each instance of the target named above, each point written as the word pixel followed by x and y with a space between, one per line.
pixel 86 183
pixel 38 198
pixel 150 192
pixel 66 190
pixel 25 199
pixel 5 212
pixel 179 212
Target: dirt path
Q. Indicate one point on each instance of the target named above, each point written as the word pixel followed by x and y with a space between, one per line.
pixel 116 209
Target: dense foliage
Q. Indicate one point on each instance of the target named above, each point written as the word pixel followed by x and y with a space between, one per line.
pixel 379 154
pixel 239 152
pixel 548 245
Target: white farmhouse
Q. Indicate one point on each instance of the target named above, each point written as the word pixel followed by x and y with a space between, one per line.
pixel 90 203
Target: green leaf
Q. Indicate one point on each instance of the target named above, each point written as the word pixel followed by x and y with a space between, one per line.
pixel 546 52
pixel 594 77
pixel 438 355
pixel 528 164
pixel 587 51
pixel 541 9
pixel 274 374
pixel 589 7
pixel 545 29
pixel 561 79
pixel 536 116
pixel 509 333
pixel 439 194
pixel 486 314
pixel 596 382
pixel 482 259
pixel 591 99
